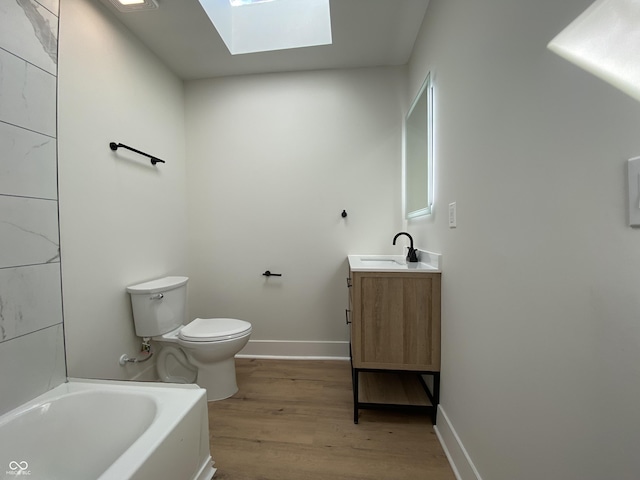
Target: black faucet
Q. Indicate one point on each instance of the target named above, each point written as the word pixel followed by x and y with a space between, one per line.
pixel 412 253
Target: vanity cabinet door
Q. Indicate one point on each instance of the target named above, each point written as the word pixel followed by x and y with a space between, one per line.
pixel 395 321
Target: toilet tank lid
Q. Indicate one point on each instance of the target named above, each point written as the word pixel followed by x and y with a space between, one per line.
pixel 158 285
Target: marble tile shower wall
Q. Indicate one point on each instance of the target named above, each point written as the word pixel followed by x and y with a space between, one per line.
pixel 31 336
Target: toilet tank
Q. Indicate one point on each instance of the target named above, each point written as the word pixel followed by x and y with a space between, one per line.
pixel 159 306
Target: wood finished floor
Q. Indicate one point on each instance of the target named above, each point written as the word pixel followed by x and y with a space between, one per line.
pixel 293 420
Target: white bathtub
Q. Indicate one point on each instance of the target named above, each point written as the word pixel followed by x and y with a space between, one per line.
pixel 104 430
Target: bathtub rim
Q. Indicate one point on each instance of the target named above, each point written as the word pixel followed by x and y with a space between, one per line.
pixel 165 420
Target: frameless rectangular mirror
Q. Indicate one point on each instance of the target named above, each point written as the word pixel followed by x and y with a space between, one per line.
pixel 418 153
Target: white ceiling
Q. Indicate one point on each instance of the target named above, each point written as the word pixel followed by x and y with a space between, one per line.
pixel 366 33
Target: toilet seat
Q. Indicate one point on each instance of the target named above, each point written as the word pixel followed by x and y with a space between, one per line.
pixel 214 330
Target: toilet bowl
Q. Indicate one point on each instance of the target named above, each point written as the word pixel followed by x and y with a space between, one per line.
pixel 205 348
pixel 202 350
pixel 173 365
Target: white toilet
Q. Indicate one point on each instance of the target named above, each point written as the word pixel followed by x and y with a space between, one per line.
pixel 204 347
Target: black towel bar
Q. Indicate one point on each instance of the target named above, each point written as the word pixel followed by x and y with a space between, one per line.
pixel 114 146
pixel 269 274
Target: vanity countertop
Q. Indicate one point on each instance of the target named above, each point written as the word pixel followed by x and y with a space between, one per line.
pixel 395 263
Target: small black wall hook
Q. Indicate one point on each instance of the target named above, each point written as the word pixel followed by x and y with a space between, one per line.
pixel 114 146
pixel 344 214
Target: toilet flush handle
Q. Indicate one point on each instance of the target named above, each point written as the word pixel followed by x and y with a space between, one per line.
pixel 157 296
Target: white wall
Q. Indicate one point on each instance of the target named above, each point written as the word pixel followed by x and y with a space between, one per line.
pixel 273 161
pixel 265 198
pixel 31 333
pixel 540 300
pixel 122 220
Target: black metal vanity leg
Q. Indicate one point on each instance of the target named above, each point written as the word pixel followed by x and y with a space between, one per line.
pixel 354 373
pixel 436 396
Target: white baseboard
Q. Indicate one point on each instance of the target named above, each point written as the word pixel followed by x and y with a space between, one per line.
pixel 461 463
pixel 295 350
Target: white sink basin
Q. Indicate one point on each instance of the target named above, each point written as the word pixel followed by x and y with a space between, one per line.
pixel 393 263
pixel 381 261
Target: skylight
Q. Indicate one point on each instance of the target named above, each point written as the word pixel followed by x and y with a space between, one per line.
pixel 249 26
pixel 239 3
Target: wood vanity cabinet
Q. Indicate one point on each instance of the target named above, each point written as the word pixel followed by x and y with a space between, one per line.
pixel 395 340
pixel 395 320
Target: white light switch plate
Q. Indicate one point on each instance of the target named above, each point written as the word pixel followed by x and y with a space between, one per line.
pixel 634 192
pixel 452 215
